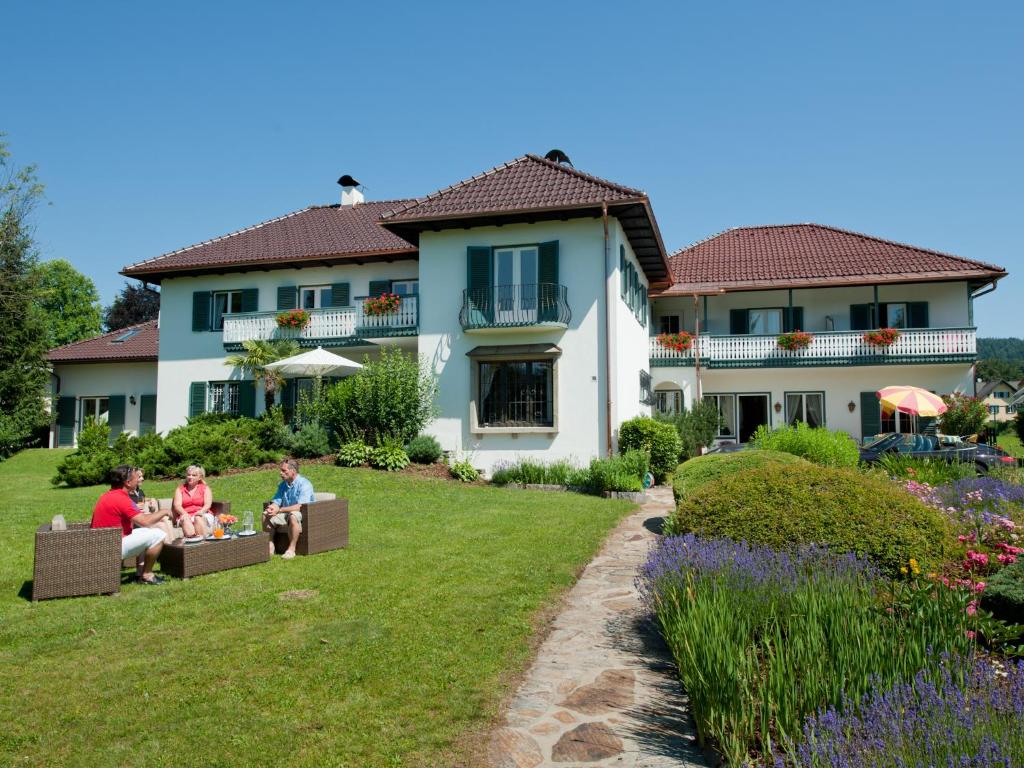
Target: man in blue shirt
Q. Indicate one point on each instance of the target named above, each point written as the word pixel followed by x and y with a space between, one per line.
pixel 284 510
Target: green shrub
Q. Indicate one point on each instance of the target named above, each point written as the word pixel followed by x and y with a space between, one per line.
pixel 840 508
pixel 578 479
pixel 1004 593
pixel 216 445
pixel 616 474
pixel 1018 423
pixel 903 467
pixel 964 415
pixel 354 453
pixel 533 472
pixel 463 470
pixel 272 432
pixel 696 427
pixel 817 444
pixel 393 396
pixel 702 469
pixel 389 455
pixel 80 469
pixel 424 449
pixel 657 437
pixel 311 441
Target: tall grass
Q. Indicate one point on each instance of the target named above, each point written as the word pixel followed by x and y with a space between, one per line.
pixel 763 638
pixel 817 444
pixel 529 471
pixel 930 471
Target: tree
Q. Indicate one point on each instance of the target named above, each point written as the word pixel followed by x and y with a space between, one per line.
pixel 133 305
pixel 69 302
pixel 23 335
pixel 257 355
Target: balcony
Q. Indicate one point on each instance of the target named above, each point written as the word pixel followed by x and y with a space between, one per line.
pixel 342 326
pixel 515 306
pixel 932 345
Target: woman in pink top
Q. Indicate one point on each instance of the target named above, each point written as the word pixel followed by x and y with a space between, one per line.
pixel 192 502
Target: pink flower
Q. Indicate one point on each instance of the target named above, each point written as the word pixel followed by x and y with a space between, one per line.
pixel 972 607
pixel 979 587
pixel 1006 559
pixel 971 634
pixel 1007 523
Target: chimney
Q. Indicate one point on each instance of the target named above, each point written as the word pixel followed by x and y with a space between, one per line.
pixel 351 194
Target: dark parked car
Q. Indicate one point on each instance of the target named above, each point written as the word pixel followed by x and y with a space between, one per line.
pixel 939 447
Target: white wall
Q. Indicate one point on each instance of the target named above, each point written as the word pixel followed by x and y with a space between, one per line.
pixel 631 345
pixel 947 305
pixel 580 395
pixel 187 356
pixel 104 379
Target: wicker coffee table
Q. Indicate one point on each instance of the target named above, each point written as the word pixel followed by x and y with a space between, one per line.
pixel 184 561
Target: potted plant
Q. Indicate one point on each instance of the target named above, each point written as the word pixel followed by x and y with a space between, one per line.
pixel 795 340
pixel 680 342
pixel 385 304
pixel 883 337
pixel 293 318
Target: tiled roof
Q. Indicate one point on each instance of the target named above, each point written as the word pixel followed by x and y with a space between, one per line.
pixel 314 232
pixel 141 346
pixel 794 255
pixel 526 183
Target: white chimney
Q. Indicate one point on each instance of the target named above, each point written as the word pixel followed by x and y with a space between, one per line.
pixel 350 192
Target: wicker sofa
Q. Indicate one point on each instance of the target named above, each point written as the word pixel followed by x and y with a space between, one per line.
pixel 324 526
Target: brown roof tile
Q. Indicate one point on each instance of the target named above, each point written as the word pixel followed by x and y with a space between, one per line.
pixel 142 346
pixel 318 231
pixel 792 255
pixel 526 183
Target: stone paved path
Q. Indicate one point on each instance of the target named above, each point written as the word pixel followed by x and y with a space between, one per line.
pixel 602 690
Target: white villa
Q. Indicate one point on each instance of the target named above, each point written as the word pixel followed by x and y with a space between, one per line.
pixel 537 293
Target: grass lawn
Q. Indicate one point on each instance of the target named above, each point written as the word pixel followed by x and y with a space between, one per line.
pixel 1009 441
pixel 402 653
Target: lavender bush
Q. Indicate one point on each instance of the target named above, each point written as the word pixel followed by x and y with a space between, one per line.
pixel 763 638
pixel 968 714
pixel 982 500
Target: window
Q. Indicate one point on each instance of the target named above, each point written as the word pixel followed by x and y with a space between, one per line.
pixel 993 409
pixel 222 397
pixel 405 287
pixel 668 324
pixel 315 297
pixel 898 422
pixel 515 271
pixel 896 316
pixel 668 401
pixel 225 303
pixel 764 321
pixel 127 335
pixel 726 414
pixel 516 393
pixel 646 396
pixel 1002 394
pixel 96 407
pixel 808 407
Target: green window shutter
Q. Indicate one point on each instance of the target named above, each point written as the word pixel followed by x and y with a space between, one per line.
pixel 793 319
pixel 883 316
pixel 917 313
pixel 479 284
pixel 288 397
pixel 250 299
pixel 197 398
pixel 643 307
pixel 115 416
pixel 340 295
pixel 547 276
pixel 739 321
pixel 287 297
pixel 66 420
pixel 870 415
pixel 247 399
pixel 622 272
pixel 379 287
pixel 201 311
pixel 860 318
pixel 147 414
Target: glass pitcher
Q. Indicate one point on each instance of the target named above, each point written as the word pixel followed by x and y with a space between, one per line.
pixel 247 522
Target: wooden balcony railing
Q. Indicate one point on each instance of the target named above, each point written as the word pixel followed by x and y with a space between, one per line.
pixel 833 348
pixel 325 324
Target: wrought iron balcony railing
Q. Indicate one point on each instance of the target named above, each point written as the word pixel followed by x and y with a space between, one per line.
pixel 512 306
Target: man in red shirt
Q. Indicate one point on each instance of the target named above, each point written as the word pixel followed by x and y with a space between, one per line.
pixel 115 509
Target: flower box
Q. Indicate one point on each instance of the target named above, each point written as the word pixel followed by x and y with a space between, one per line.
pixel 883 337
pixel 385 304
pixel 293 318
pixel 795 340
pixel 680 342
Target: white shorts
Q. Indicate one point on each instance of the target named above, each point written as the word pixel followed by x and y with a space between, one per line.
pixel 139 540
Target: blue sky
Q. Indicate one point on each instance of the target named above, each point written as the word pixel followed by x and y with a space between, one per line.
pixel 159 125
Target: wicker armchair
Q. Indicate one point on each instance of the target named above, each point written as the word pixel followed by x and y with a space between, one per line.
pixel 77 561
pixel 324 527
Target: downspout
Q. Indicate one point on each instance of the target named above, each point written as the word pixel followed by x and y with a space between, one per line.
pixel 608 271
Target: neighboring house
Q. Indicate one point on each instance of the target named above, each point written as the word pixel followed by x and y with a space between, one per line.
pixel 999 398
pixel 112 378
pixel 535 292
pixel 745 287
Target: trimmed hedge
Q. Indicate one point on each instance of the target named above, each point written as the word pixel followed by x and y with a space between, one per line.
pixel 803 504
pixel 831 448
pixel 659 438
pixel 693 473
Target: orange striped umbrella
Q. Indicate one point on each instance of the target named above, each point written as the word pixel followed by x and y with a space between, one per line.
pixel 915 400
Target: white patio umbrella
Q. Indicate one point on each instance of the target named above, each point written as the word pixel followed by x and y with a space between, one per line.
pixel 317 363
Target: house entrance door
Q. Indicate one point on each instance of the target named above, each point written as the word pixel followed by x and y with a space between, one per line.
pixel 753 412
